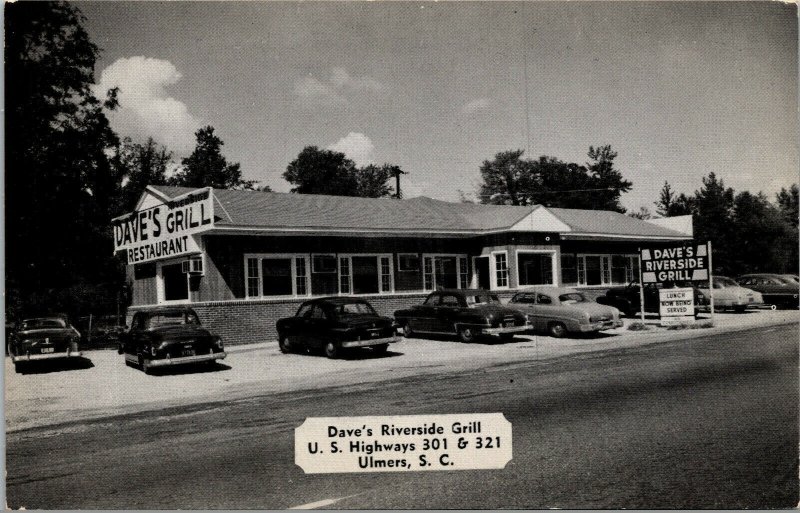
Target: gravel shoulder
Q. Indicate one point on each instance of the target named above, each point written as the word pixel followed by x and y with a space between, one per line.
pixel 102 385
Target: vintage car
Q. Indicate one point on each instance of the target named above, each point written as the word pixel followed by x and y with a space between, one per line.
pixel 774 288
pixel 730 295
pixel 626 298
pixel 169 336
pixel 335 324
pixel 468 313
pixel 559 311
pixel 43 338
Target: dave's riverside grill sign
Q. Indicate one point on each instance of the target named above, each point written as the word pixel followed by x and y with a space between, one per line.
pixel 165 230
pixel 683 263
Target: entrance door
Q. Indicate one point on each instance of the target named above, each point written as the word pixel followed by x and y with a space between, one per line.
pixel 482 272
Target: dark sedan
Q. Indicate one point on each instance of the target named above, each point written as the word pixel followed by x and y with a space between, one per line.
pixel 468 313
pixel 43 338
pixel 776 289
pixel 627 300
pixel 335 324
pixel 169 336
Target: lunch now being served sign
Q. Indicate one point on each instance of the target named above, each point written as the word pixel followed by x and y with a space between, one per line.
pixel 676 306
pixel 682 263
pixel 165 230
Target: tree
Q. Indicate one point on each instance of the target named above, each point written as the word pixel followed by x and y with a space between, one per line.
pixel 762 238
pixel 549 181
pixel 141 165
pixel 608 181
pixel 317 171
pixel 713 211
pixel 506 179
pixel 788 204
pixel 207 167
pixel 62 189
pixel 643 214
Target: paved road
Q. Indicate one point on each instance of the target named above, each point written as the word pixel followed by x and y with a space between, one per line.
pixel 707 423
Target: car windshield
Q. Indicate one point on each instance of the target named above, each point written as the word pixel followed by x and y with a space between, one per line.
pixel 43 324
pixel 481 299
pixel 572 298
pixel 176 318
pixel 722 282
pixel 354 309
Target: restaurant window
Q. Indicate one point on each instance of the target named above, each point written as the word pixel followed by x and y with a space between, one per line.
pixel 323 264
pixel 624 269
pixel 175 283
pixel 277 275
pixel 535 268
pixel 444 272
pixel 594 270
pixel 386 274
pixel 569 269
pixel 501 269
pixel 463 273
pixel 407 262
pixel 344 275
pixel 252 277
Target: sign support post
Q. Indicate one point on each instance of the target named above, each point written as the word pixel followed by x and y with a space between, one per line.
pixel 641 286
pixel 710 284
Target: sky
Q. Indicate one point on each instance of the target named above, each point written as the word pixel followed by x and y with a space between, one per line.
pixel 677 89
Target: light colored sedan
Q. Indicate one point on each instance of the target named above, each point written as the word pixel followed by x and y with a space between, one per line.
pixel 730 295
pixel 559 311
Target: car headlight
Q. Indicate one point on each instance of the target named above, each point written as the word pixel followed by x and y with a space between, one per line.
pixel 218 342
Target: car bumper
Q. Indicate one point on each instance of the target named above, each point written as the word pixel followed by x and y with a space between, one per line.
pixel 45 356
pixel 183 360
pixel 506 329
pixel 369 342
pixel 600 326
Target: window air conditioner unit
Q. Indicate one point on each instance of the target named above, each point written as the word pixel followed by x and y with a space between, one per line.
pixel 193 265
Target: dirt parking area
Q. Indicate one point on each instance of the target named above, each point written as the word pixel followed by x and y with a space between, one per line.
pixel 102 385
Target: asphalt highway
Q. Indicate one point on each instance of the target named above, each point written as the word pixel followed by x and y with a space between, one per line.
pixel 710 422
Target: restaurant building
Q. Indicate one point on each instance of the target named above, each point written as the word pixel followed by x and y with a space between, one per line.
pixel 244 259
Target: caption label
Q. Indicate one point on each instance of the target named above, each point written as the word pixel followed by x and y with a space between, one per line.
pixel 324 445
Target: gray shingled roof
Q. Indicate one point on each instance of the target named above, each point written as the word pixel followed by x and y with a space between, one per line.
pixel 275 210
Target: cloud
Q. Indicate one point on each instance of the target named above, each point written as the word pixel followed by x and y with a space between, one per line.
pixel 476 105
pixel 356 146
pixel 146 109
pixel 334 92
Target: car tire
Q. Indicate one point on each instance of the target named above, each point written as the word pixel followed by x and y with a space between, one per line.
pixel 557 329
pixel 19 368
pixel 380 349
pixel 284 345
pixel 467 334
pixel 332 350
pixel 120 350
pixel 739 309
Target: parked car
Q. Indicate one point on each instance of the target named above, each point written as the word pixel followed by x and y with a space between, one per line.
pixel 774 288
pixel 626 298
pixel 169 336
pixel 468 313
pixel 100 331
pixel 335 324
pixel 43 338
pixel 791 277
pixel 730 295
pixel 559 311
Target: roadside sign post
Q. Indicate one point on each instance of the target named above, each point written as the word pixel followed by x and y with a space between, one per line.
pixel 710 284
pixel 641 286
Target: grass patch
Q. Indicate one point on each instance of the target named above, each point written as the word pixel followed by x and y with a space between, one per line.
pixel 638 326
pixel 691 326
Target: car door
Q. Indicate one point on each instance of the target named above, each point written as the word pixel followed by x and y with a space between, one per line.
pixel 133 334
pixel 447 313
pixel 543 310
pixel 526 302
pixel 317 328
pixel 425 314
pixel 297 326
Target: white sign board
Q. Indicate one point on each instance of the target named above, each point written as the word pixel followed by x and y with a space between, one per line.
pixel 684 263
pixel 165 230
pixel 403 443
pixel 676 306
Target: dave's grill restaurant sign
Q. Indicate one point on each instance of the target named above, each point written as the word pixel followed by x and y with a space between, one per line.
pixel 165 230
